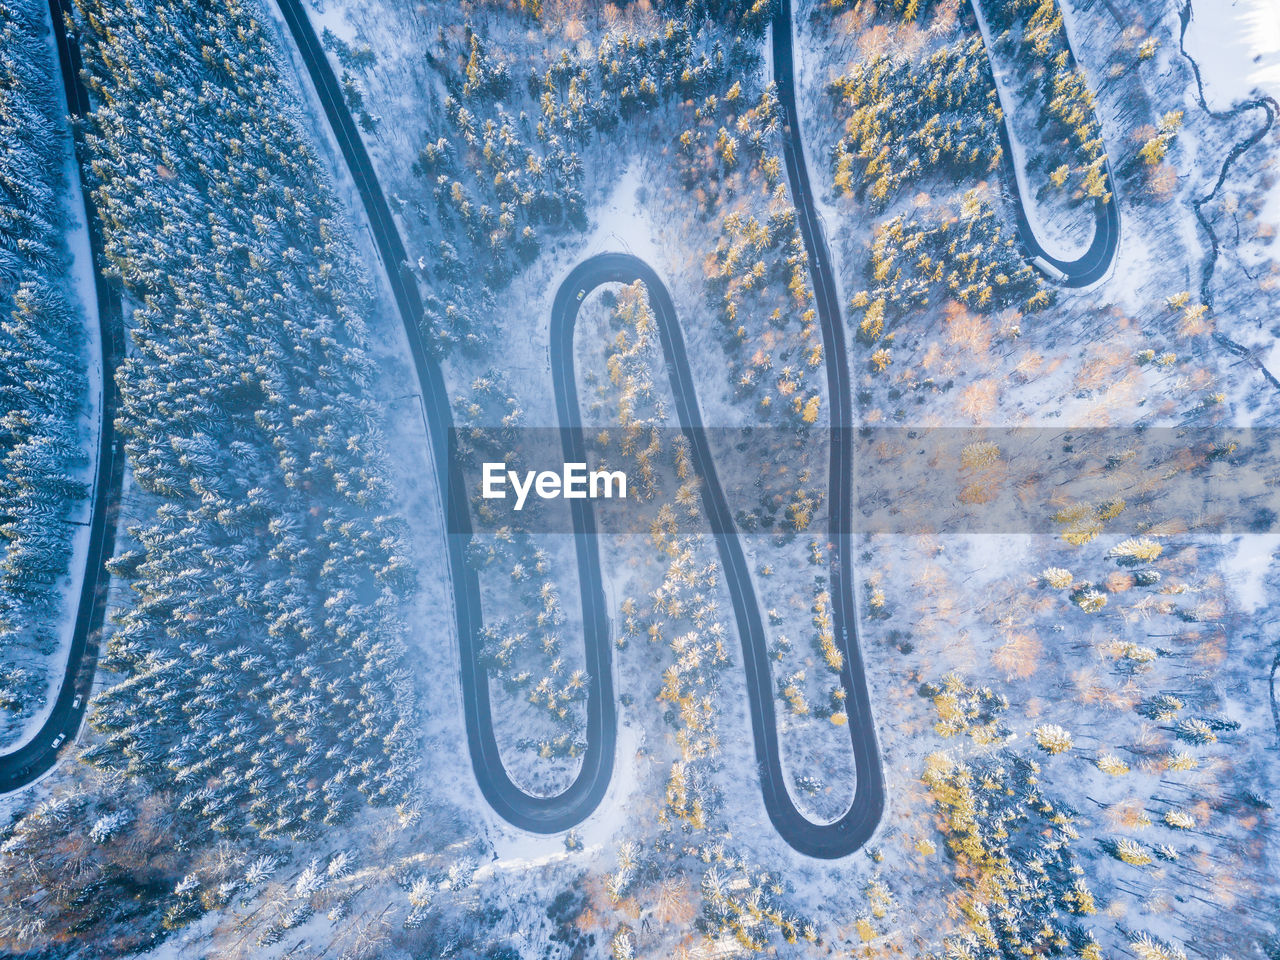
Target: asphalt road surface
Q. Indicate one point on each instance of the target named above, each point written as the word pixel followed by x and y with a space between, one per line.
pixel 575 803
pixel 1092 265
pixel 551 814
pixel 855 827
pixel 537 814
pixel 35 757
pixel 825 840
pixel 555 813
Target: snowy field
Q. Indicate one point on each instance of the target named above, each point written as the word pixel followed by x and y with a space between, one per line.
pixel 1237 44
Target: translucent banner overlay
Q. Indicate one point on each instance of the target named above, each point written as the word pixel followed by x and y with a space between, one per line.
pixel 1077 483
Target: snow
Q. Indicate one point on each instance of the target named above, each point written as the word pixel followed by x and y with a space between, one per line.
pixel 431 614
pixel 519 851
pixel 334 19
pixel 987 574
pixel 1063 240
pixel 1271 360
pixel 1237 44
pixel 1270 213
pixel 189 944
pixel 84 295
pixel 1246 568
pixel 622 223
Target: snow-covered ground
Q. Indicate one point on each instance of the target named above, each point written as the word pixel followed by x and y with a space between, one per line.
pixel 1246 569
pixel 970 604
pixel 1237 44
pixel 83 296
pixel 1065 232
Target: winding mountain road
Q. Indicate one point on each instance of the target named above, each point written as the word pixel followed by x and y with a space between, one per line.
pixel 859 822
pixel 537 814
pixel 1092 265
pixel 575 803
pixel 39 754
pixel 551 814
pixel 823 840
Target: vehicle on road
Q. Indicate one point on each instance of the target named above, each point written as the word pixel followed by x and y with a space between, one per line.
pixel 1049 270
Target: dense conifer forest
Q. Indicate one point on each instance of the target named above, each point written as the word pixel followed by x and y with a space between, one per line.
pixel 261 649
pixel 1070 723
pixel 43 362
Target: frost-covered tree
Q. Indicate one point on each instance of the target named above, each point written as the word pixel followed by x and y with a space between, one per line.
pixel 43 385
pixel 265 687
